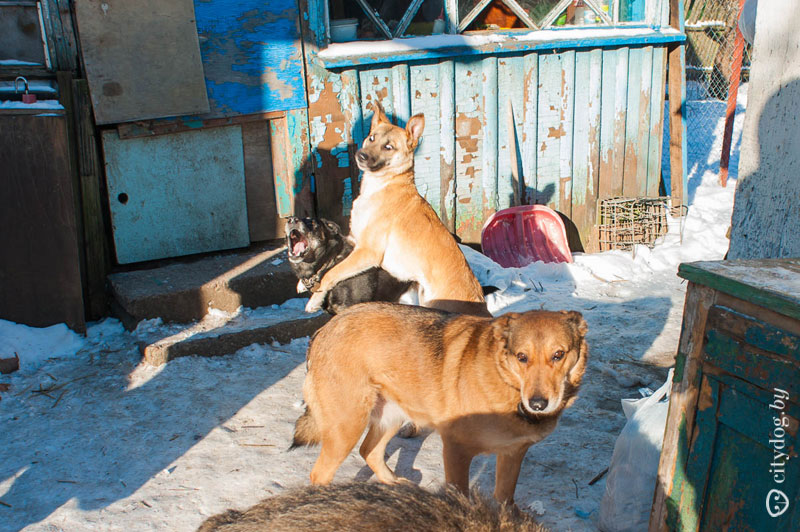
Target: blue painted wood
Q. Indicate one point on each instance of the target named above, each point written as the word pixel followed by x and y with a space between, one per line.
pixel 510 123
pixel 565 110
pixel 530 136
pixel 586 143
pixel 630 181
pixel 252 56
pixel 427 163
pixel 656 132
pixel 657 37
pixel 176 194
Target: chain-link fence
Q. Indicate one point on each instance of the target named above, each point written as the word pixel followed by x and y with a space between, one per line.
pixel 710 52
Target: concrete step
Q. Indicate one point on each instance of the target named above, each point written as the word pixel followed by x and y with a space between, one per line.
pixel 199 303
pixel 183 292
pixel 207 338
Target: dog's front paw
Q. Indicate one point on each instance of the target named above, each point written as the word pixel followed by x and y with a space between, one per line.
pixel 315 303
pixel 301 287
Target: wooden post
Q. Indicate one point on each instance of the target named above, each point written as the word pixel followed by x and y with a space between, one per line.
pixel 676 83
pixel 96 248
pixel 733 92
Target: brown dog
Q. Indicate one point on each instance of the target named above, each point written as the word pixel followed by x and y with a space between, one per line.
pixel 394 228
pixel 486 385
pixel 367 506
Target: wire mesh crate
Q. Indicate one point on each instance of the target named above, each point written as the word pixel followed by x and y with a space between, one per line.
pixel 625 222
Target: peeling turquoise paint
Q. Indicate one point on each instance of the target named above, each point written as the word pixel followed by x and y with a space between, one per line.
pixel 252 54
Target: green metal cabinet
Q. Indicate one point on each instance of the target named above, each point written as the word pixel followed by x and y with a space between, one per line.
pixel 729 460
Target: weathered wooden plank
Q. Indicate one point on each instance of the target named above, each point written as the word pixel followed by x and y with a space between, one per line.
pixel 447 149
pixel 655 138
pixel 424 80
pixel 510 123
pixel 586 145
pixel 129 76
pixel 734 357
pixel 676 57
pixel 617 156
pixel 530 137
pixel 550 129
pixel 252 55
pixel 692 483
pixel 40 268
pixel 757 333
pixel 154 217
pixel 489 201
pixel 469 142
pixel 376 85
pixel 630 163
pixel 289 138
pixel 607 119
pixel 682 403
pixel 262 214
pixel 401 94
pixel 761 282
pixel 95 237
pixel 566 117
pixel 642 143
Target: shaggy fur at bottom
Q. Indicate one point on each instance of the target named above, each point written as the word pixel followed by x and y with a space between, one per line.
pixel 373 507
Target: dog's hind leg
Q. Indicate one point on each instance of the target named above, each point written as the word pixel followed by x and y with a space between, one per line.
pixel 508 466
pixel 386 419
pixel 337 442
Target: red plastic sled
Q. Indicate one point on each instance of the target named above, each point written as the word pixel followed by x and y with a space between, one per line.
pixel 518 236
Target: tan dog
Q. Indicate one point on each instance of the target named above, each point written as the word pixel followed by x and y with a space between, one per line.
pixel 394 228
pixel 486 385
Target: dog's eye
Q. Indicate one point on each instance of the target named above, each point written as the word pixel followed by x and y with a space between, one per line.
pixel 558 355
pixel 372 138
pixel 522 357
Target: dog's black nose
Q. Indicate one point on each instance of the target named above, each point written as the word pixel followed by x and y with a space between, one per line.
pixel 361 156
pixel 538 403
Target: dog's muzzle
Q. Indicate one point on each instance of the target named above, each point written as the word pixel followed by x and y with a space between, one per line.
pixel 295 240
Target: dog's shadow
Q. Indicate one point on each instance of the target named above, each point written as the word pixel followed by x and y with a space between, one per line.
pixel 408 449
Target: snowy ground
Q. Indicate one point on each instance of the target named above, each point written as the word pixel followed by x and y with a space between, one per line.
pixel 94 440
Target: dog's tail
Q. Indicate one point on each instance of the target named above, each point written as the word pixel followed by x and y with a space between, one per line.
pixel 306 431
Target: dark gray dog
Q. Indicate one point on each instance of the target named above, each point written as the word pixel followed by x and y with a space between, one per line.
pixel 316 245
pixel 373 507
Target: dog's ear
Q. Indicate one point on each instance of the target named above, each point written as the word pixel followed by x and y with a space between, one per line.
pixel 333 227
pixel 576 321
pixel 578 324
pixel 414 129
pixel 501 329
pixel 378 115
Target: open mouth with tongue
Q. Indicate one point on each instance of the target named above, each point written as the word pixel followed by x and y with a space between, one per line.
pixel 297 244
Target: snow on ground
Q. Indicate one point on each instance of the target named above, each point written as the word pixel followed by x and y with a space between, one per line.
pixel 92 439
